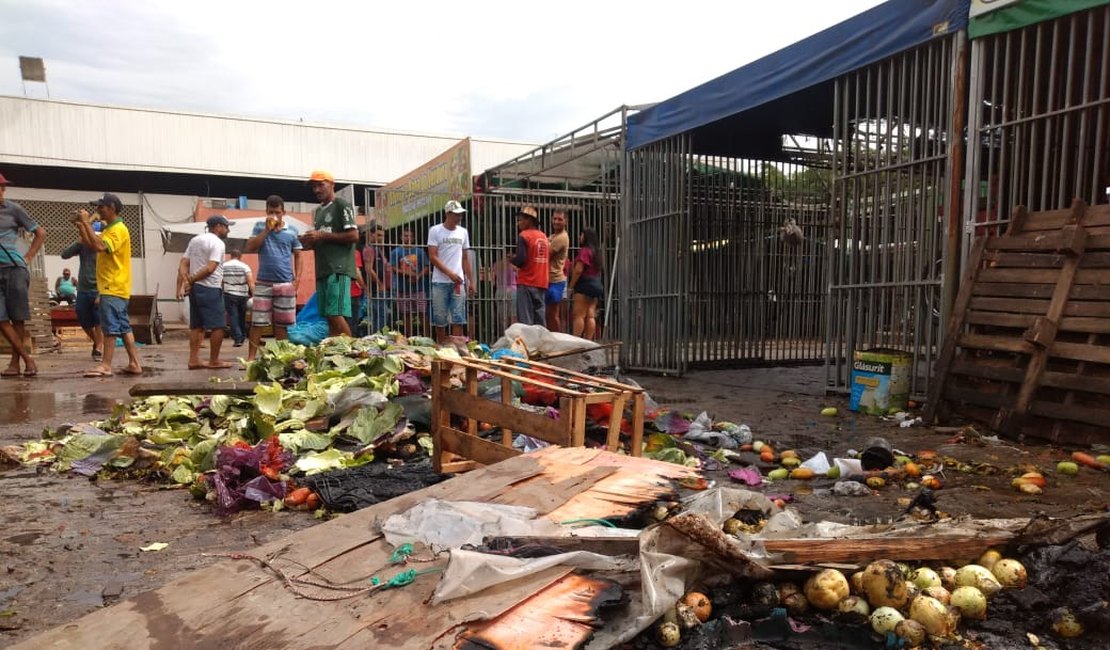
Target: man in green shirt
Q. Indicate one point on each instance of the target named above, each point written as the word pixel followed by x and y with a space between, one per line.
pixel 333 239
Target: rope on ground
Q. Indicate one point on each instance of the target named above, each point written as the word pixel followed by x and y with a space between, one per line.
pixel 294 583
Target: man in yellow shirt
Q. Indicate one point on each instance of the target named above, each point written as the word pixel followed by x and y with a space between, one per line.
pixel 113 281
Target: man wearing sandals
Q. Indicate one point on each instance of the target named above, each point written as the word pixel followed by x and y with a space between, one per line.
pixel 113 281
pixel 200 276
pixel 15 281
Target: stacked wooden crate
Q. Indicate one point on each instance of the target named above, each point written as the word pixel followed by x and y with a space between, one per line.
pixel 1026 351
pixel 458 410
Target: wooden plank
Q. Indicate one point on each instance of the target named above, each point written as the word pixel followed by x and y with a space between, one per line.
pixel 563 615
pixel 1085 325
pixel 1040 242
pixel 441 417
pixel 472 390
pixel 613 438
pixel 995 343
pixel 977 368
pixel 1072 412
pixel 1043 332
pixel 1079 382
pixel 1089 309
pixel 473 448
pixel 1056 219
pixel 637 441
pixel 910 549
pixel 1009 304
pixel 147 389
pixel 1098 277
pixel 1081 352
pixel 1006 290
pixel 1018 276
pixel 1006 259
pixel 519 420
pixel 1044 260
pixel 1000 319
pixel 966 395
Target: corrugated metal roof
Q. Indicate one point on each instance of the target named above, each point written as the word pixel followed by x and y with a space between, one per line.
pixel 68 134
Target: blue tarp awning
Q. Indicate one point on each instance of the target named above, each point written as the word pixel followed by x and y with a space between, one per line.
pixel 802 72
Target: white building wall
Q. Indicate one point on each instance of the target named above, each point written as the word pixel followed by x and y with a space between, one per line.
pixel 64 134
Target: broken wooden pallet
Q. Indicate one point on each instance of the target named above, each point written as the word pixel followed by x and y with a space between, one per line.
pixel 463 449
pixel 1026 350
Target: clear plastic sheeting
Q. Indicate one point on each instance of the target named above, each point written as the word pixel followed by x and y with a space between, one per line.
pixel 541 342
pixel 470 572
pixel 670 561
pixel 442 525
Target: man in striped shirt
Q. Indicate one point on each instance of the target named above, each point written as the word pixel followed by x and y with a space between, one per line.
pixel 238 287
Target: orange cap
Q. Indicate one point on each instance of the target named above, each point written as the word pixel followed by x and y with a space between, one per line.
pixel 321 175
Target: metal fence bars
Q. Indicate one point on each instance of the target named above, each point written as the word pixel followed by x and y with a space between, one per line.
pixel 1039 113
pixel 886 251
pixel 491 225
pixel 725 262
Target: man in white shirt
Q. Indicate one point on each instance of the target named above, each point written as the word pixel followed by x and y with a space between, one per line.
pixel 200 276
pixel 238 288
pixel 448 251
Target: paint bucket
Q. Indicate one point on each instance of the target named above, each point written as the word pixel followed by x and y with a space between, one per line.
pixel 878 454
pixel 880 381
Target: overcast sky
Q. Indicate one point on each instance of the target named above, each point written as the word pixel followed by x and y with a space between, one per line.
pixel 513 70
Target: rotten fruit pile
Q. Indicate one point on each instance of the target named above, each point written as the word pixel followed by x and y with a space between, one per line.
pixel 911 605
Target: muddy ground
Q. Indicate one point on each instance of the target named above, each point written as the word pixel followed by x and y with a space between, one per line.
pixel 69 546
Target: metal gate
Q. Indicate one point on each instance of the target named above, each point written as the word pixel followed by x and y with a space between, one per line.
pixel 1039 111
pixel 655 255
pixel 886 256
pixel 756 288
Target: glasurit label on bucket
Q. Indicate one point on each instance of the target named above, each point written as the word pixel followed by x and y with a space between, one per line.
pixel 880 381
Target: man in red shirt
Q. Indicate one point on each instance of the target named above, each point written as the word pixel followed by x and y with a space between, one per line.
pixel 532 268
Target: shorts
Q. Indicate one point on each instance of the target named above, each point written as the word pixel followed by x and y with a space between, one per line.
pixel 414 302
pixel 333 296
pixel 275 303
pixel 87 314
pixel 555 291
pixel 113 316
pixel 206 308
pixel 448 307
pixel 15 284
pixel 590 287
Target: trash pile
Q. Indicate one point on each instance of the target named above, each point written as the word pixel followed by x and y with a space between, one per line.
pixel 326 409
pixel 1061 601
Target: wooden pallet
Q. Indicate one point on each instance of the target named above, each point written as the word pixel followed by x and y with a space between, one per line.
pixel 1027 348
pixel 460 450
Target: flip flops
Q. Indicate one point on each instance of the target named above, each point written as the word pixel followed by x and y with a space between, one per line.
pixel 95 372
pixel 129 371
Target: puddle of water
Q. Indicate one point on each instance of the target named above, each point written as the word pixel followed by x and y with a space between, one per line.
pixel 21 407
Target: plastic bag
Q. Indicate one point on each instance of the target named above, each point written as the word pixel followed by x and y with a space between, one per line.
pixel 310 328
pixel 541 342
pixel 731 436
pixel 451 524
pixel 819 463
